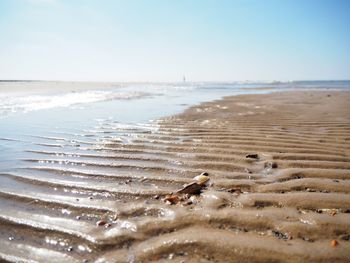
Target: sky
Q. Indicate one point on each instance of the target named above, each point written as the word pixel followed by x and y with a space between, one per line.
pixel 163 40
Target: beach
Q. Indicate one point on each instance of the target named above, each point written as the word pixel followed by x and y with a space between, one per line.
pixel 174 131
pixel 276 189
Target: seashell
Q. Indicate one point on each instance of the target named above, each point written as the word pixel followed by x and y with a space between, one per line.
pixel 191 189
pixel 201 179
pixel 333 212
pixel 334 243
pixel 172 199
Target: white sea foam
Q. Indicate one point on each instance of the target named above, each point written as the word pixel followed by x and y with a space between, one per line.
pixel 10 105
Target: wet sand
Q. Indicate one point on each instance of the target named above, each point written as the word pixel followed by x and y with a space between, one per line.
pixel 278 192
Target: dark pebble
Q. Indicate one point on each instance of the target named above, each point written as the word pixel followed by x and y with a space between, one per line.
pixel 252 156
pixel 274 165
pixel 280 235
pixel 345 237
pixel 101 223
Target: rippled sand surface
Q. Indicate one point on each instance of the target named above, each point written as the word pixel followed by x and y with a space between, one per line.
pixel 278 192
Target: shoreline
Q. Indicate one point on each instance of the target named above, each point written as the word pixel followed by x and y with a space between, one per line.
pixel 25 88
pixel 47 87
pixel 279 188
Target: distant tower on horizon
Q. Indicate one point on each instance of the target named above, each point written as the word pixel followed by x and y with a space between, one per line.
pixel 184 79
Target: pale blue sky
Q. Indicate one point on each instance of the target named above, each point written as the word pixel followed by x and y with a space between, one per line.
pixel 162 40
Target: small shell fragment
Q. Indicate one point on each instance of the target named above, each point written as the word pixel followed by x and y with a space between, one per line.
pixel 172 199
pixel 334 243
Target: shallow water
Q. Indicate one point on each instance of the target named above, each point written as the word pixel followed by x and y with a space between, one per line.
pixel 24 118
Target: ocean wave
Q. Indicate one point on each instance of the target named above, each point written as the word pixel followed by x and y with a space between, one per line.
pixel 10 105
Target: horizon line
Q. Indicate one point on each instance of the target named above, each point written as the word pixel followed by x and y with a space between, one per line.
pixel 179 81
